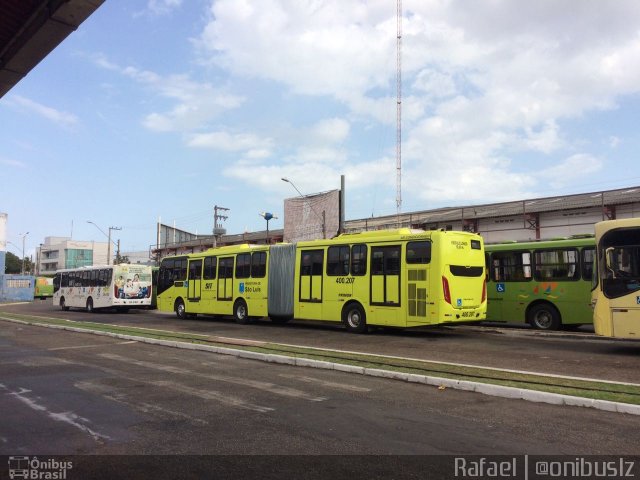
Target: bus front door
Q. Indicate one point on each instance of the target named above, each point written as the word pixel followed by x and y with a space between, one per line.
pixel 194 289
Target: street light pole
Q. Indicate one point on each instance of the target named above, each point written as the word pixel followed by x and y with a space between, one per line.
pixel 23 237
pixel 109 239
pixel 322 217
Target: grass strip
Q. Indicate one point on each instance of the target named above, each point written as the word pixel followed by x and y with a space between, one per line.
pixel 610 391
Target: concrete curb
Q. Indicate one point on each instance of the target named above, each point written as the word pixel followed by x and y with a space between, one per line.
pixel 465 385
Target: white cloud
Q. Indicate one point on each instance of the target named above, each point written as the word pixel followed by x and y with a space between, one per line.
pixel 9 162
pixel 59 117
pixel 575 166
pixel 255 146
pixel 482 82
pixel 161 7
pixel 332 130
pixel 614 141
pixel 196 103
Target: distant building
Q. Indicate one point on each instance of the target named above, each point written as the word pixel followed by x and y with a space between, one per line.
pixel 528 219
pixel 62 252
pixel 140 257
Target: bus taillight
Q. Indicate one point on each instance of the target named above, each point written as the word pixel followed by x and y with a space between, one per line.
pixel 445 290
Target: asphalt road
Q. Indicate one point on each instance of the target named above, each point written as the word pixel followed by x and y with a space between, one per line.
pixel 65 393
pixel 564 353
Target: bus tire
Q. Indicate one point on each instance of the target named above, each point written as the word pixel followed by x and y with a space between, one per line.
pixel 180 309
pixel 63 305
pixel 354 318
pixel 544 316
pixel 90 305
pixel 240 312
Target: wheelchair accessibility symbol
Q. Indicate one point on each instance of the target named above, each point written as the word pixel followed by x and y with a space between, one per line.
pixel 500 287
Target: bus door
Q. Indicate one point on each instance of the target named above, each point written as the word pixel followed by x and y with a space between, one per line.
pixel 385 283
pixel 194 285
pixel 310 284
pixel 225 278
pixel 209 284
pixel 418 258
pixel 621 285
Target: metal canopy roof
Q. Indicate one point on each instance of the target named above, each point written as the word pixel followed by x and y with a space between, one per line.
pixel 31 29
pixel 602 199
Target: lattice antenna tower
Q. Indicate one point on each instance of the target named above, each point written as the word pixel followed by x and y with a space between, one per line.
pixel 399 111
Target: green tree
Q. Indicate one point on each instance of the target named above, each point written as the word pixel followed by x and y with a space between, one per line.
pixel 121 259
pixel 13 264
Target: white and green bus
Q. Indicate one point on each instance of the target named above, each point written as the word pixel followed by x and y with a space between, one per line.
pixel 121 286
pixel 545 283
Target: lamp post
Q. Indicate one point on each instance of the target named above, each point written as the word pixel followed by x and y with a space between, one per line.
pixel 24 235
pixel 321 217
pixel 267 216
pixel 108 237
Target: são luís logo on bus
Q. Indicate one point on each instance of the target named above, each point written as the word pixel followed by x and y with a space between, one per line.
pixel 249 287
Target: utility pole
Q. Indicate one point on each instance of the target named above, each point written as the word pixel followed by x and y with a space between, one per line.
pixel 109 244
pixel 399 113
pixel 218 230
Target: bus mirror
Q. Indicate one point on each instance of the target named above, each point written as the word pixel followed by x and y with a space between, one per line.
pixel 609 257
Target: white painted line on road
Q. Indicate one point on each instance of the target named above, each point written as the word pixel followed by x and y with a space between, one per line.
pixel 259 385
pixel 111 393
pixel 91 346
pixel 65 417
pixel 487 389
pixel 324 383
pixel 209 395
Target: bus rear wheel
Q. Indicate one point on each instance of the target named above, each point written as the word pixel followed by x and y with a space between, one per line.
pixel 544 317
pixel 354 318
pixel 181 311
pixel 240 312
pixel 90 305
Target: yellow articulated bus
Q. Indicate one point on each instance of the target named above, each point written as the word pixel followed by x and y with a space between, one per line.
pixel 394 278
pixel 616 293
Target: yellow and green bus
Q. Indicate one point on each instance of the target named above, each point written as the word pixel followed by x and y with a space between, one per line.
pixel 394 278
pixel 616 293
pixel 545 283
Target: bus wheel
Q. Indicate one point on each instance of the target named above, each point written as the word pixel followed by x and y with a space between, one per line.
pixel 240 312
pixel 181 311
pixel 544 317
pixel 63 305
pixel 354 318
pixel 90 305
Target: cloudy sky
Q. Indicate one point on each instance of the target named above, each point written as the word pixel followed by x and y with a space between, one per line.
pixel 165 108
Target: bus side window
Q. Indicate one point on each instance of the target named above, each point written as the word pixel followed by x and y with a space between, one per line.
pixel 243 265
pixel 359 260
pixel 419 252
pixel 210 265
pixel 514 266
pixel 258 264
pixel 588 254
pixel 338 260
